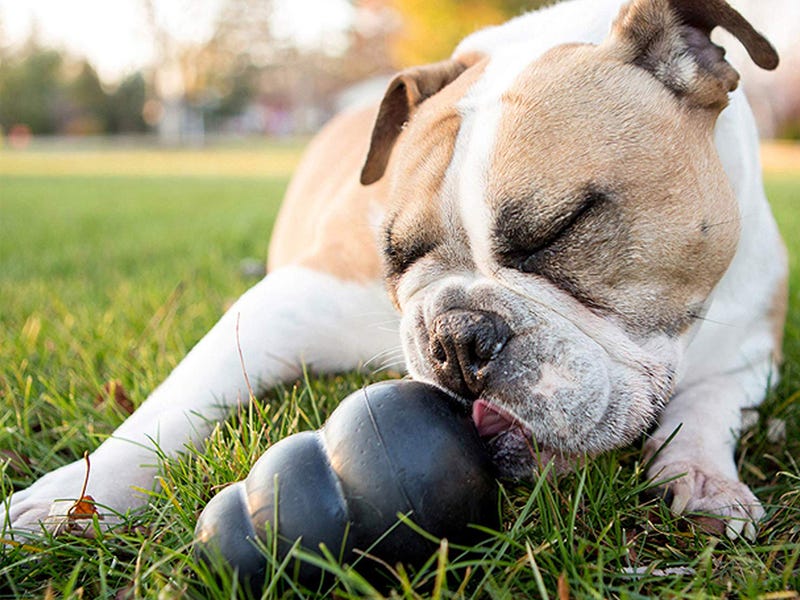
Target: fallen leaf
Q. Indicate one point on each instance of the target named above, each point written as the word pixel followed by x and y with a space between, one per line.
pixel 708 525
pixel 563 587
pixel 17 462
pixel 114 391
pixel 83 508
pixel 125 593
pixel 633 554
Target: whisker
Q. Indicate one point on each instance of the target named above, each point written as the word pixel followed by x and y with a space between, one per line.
pixel 705 319
pixel 393 357
pixel 393 353
pixel 388 367
pixel 720 223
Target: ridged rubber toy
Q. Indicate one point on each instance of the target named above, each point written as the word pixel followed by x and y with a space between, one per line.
pixel 397 447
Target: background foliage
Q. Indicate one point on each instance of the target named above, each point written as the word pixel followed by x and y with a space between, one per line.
pixel 431 30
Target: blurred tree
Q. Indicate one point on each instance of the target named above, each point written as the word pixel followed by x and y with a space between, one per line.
pixel 86 89
pixel 246 74
pixel 243 33
pixel 369 52
pixel 30 88
pixel 431 30
pixel 51 93
pixel 236 88
pixel 124 111
pixel 194 79
pixel 241 47
pixel 88 103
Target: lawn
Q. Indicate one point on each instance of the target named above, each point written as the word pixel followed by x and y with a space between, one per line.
pixel 113 264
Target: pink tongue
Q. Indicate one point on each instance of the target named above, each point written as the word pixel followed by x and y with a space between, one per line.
pixel 489 420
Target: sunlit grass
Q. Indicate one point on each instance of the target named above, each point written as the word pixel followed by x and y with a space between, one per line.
pixel 114 277
pixel 265 160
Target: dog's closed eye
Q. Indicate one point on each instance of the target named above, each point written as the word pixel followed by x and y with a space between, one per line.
pixel 523 243
pixel 399 254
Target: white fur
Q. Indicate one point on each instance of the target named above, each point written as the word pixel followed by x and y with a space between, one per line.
pixel 728 364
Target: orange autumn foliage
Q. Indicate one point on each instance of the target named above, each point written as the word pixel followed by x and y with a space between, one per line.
pixel 431 30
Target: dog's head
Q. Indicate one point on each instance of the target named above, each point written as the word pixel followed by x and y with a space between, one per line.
pixel 557 224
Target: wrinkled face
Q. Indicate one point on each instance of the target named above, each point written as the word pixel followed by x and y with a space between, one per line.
pixel 555 231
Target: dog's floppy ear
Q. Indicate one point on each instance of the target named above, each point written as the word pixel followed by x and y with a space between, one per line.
pixel 670 39
pixel 405 92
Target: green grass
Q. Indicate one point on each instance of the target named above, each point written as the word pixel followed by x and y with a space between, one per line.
pixel 113 278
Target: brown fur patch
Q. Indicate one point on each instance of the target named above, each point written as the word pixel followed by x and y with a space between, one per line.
pixel 324 220
pixel 406 91
pixel 670 39
pixel 667 226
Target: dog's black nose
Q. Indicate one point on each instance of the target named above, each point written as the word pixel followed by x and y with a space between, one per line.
pixel 462 344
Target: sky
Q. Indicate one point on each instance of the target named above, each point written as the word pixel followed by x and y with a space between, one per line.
pixel 113 34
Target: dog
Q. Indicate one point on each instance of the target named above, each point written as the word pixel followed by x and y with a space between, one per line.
pixel 567 222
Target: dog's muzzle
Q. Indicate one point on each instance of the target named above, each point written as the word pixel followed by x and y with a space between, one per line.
pixel 463 344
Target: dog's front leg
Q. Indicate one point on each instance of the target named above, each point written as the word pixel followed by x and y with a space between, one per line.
pixel 293 317
pixel 697 466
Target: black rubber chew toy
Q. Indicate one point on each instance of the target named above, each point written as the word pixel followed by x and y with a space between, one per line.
pixel 392 447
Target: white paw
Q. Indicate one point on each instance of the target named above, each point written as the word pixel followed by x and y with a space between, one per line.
pixel 30 509
pixel 49 503
pixel 698 490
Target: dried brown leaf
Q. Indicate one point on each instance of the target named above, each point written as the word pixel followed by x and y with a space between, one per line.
pixel 17 462
pixel 83 508
pixel 708 525
pixel 113 391
pixel 125 593
pixel 563 587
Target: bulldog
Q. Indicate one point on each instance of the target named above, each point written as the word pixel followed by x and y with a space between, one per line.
pixel 564 225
